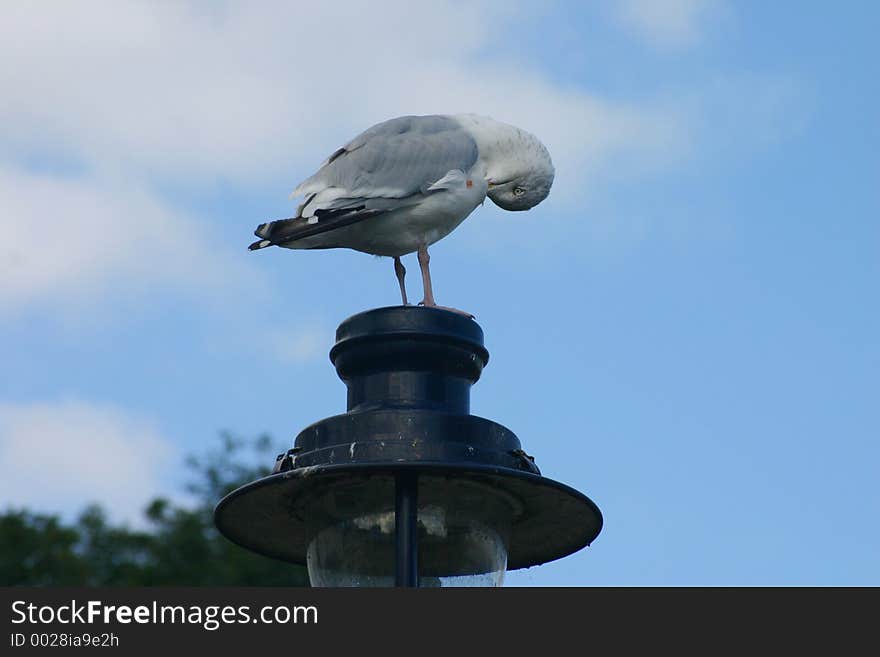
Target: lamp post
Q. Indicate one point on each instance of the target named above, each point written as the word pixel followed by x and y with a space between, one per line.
pixel 407 488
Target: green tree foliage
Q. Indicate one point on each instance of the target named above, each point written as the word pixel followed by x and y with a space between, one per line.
pixel 178 547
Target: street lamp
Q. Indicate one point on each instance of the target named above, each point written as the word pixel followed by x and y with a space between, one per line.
pixel 407 488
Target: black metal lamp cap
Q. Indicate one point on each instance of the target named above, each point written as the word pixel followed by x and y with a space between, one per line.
pixel 408 371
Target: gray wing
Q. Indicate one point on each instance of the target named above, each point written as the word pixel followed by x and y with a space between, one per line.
pixel 393 159
pixel 387 167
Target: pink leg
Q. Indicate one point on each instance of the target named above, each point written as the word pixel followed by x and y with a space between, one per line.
pixel 428 301
pixel 400 272
pixel 424 260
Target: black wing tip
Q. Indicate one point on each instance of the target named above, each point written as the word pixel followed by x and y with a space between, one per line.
pixel 260 244
pixel 285 231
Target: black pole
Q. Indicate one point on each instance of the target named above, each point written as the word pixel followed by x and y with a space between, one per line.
pixel 406 487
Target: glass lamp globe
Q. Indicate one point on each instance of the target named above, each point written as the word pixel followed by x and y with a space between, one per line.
pixel 462 541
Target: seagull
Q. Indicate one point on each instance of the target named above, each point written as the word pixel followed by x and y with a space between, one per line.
pixel 403 184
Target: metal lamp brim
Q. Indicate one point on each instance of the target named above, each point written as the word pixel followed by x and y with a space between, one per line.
pixel 552 521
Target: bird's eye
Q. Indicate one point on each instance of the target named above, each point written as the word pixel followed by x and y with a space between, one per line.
pixel 518 191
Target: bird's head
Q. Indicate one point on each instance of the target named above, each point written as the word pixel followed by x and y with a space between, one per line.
pixel 523 191
pixel 520 171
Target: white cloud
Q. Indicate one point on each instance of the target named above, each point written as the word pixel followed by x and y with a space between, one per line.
pixel 246 91
pixel 667 23
pixel 70 239
pixel 229 90
pixel 60 456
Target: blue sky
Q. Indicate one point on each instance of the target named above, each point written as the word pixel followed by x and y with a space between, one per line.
pixel 686 330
